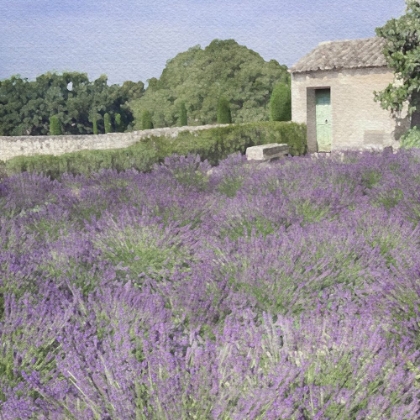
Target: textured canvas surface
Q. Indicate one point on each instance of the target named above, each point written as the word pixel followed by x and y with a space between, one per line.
pixel 133 39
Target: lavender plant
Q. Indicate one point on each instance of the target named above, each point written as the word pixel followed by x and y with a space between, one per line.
pixel 142 246
pixel 281 291
pixel 187 170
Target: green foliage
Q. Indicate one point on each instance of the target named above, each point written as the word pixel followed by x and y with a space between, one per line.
pixel 223 111
pixel 389 199
pixel 39 358
pixel 183 119
pixel 107 123
pixel 199 77
pixel 131 90
pixel 411 138
pixel 402 52
pixel 281 103
pixel 370 178
pixel 217 143
pixel 311 213
pixel 213 144
pixel 26 106
pixel 3 172
pixel 118 123
pixel 94 126
pixel 240 228
pixel 146 120
pixel 141 252
pixel 230 186
pixel 15 94
pixel 55 128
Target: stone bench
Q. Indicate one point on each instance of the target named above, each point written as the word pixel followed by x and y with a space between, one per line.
pixel 267 152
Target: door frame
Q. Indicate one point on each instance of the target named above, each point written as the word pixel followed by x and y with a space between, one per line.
pixel 311 117
pixel 326 90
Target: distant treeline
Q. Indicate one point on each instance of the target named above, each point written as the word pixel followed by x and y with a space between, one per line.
pixel 225 82
pixel 80 105
pixel 200 79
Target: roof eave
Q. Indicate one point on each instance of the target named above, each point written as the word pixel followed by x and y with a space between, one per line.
pixel 292 71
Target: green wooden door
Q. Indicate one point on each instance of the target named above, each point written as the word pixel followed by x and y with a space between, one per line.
pixel 323 119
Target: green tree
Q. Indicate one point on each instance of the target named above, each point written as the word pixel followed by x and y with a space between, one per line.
pixel 15 93
pixel 118 123
pixel 26 107
pixel 55 128
pixel 93 118
pixel 402 53
pixel 107 123
pixel 199 77
pixel 124 94
pixel 280 103
pixel 79 104
pixel 146 120
pixel 183 119
pixel 131 90
pixel 223 111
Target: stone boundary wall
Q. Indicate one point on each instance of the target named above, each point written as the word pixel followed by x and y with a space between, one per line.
pixel 12 146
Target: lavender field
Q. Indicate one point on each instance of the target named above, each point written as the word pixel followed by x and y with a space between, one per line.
pixel 281 291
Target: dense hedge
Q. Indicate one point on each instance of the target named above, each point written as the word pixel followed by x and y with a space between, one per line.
pixel 213 144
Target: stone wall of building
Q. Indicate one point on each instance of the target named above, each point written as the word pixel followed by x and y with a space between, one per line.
pixel 57 145
pixel 358 121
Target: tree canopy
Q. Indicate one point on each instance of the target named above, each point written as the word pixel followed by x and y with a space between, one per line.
pixel 27 106
pixel 402 52
pixel 281 103
pixel 200 77
pixel 190 86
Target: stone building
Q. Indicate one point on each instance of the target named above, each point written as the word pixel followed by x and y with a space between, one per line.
pixel 332 92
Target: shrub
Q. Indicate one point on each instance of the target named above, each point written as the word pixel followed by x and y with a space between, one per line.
pixel 280 103
pixel 411 138
pixel 55 128
pixel 146 120
pixel 3 172
pixel 223 112
pixel 183 119
pixel 118 123
pixel 187 170
pixel 107 123
pixel 214 144
pixel 95 126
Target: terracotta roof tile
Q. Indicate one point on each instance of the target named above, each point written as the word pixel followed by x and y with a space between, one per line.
pixel 332 55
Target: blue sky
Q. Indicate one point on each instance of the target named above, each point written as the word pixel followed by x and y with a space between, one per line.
pixel 133 39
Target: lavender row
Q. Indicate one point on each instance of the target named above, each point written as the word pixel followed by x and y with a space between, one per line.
pixel 281 291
